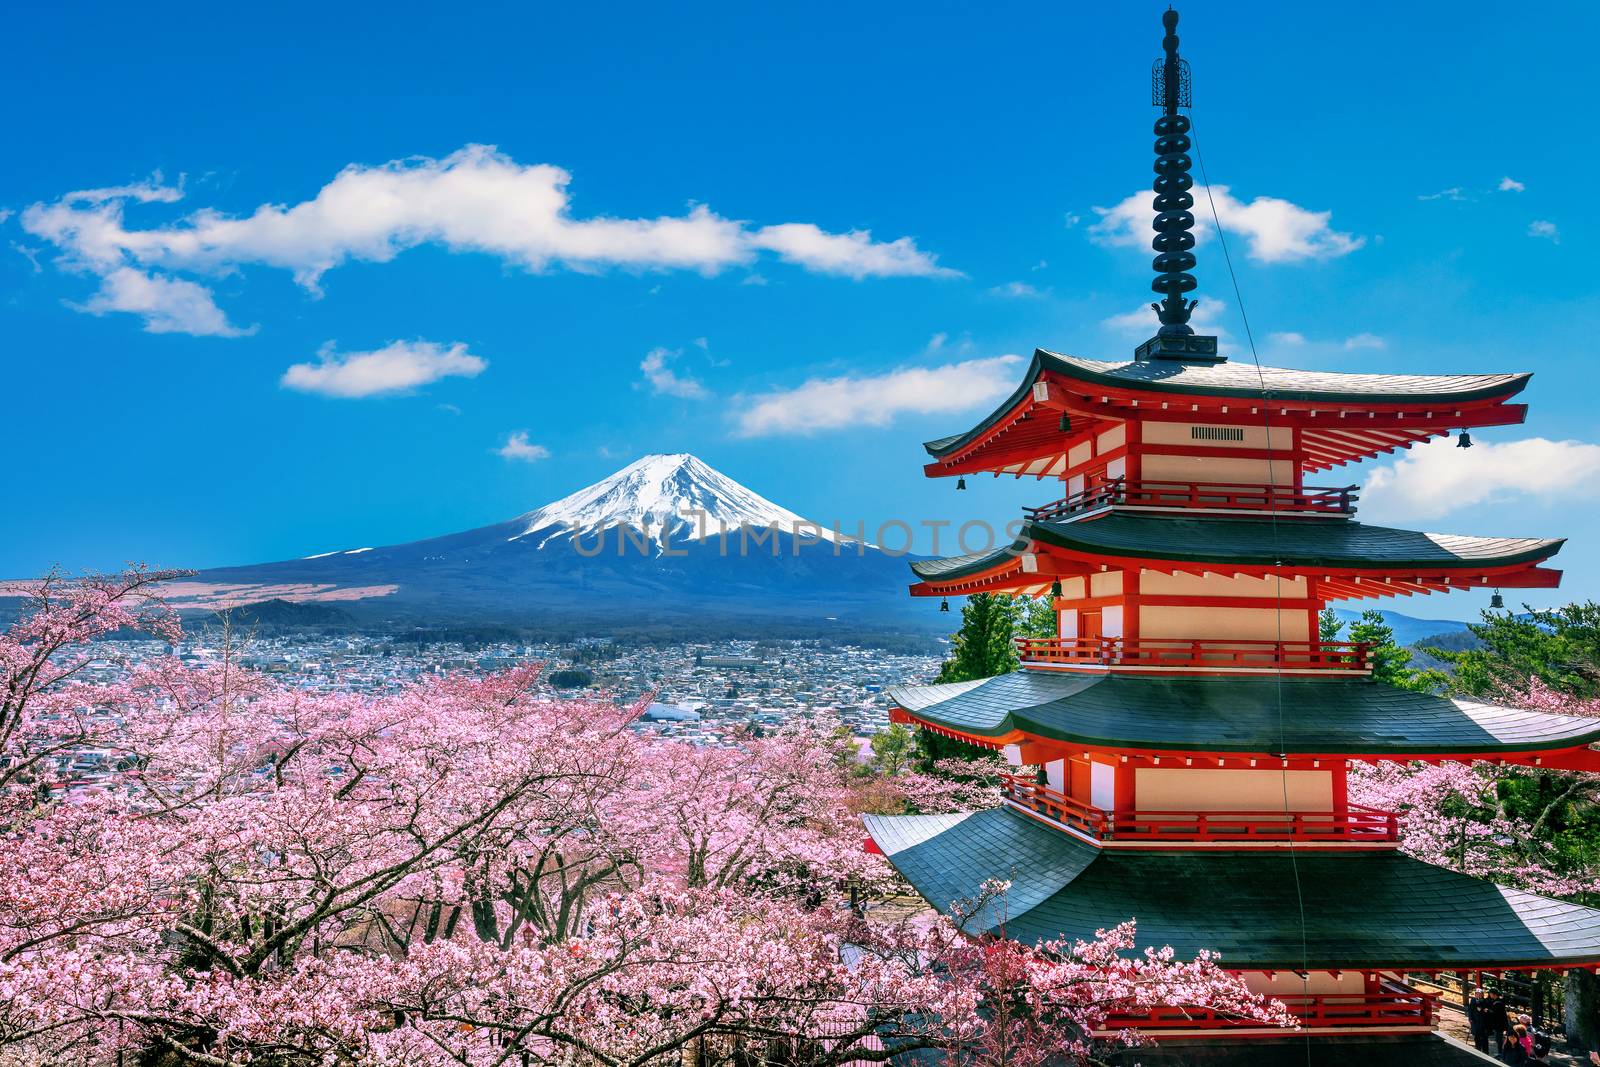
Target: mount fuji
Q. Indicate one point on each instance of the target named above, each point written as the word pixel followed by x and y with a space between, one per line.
pixel 665 545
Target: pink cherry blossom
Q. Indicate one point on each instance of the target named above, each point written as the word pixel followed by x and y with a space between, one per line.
pixel 464 872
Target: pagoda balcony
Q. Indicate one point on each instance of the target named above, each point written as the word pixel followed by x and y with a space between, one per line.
pixel 1396 1007
pixel 1207 496
pixel 1357 824
pixel 1156 653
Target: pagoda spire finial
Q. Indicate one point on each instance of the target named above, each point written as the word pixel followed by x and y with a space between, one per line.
pixel 1173 242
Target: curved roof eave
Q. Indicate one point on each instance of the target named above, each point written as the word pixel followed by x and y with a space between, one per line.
pixel 949 568
pixel 1357 910
pixel 1260 543
pixel 1284 384
pixel 1332 716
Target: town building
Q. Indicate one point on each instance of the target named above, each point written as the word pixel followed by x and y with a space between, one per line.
pixel 1188 732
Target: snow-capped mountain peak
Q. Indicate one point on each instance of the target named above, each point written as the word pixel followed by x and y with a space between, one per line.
pixel 676 494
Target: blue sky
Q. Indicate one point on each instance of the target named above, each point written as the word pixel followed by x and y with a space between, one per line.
pixel 719 231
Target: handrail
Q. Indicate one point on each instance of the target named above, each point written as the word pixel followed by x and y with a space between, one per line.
pixel 1217 495
pixel 1412 1008
pixel 1056 804
pixel 1357 823
pixel 1183 652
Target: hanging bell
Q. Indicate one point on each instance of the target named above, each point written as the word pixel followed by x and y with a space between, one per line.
pixel 1464 441
pixel 961 482
pixel 1497 601
pixel 1066 423
pixel 1055 588
pixel 944 605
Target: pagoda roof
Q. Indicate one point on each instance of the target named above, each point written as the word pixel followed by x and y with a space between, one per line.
pixel 1298 543
pixel 1264 910
pixel 1290 714
pixel 1246 381
pixel 1391 410
pixel 1304 542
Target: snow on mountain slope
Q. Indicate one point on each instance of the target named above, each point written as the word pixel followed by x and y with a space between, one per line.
pixel 674 493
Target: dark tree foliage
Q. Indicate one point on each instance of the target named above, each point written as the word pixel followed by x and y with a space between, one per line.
pixel 1559 647
pixel 1391 663
pixel 985 644
pixel 571 678
pixel 984 647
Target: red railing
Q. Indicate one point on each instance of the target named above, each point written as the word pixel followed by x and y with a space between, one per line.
pixel 1339 501
pixel 1182 652
pixel 1390 1009
pixel 1056 805
pixel 1357 823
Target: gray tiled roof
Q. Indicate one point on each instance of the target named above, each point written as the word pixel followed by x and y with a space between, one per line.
pixel 1284 383
pixel 1318 715
pixel 1268 910
pixel 1255 542
pixel 1309 542
pixel 1242 380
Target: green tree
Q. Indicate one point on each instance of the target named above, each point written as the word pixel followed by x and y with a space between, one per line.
pixel 1038 618
pixel 984 646
pixel 894 750
pixel 1391 663
pixel 1560 647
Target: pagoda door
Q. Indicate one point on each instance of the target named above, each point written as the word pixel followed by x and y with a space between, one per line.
pixel 1089 631
pixel 1080 778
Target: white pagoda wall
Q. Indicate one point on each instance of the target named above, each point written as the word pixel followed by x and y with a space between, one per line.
pixel 1226 789
pixel 1158 583
pixel 1156 465
pixel 1316 983
pixel 1224 624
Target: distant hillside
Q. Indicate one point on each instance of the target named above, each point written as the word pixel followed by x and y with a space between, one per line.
pixel 1408 629
pixel 283 613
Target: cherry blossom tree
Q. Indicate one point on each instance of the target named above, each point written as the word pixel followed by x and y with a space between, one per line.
pixel 1457 815
pixel 466 872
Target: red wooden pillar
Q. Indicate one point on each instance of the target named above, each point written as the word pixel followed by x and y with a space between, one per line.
pixel 1123 786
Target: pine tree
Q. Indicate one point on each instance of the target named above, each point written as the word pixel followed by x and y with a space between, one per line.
pixel 984 646
pixel 1391 664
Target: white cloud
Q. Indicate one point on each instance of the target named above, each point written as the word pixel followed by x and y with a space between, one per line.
pixel 1274 230
pixel 474 200
pixel 517 448
pixel 395 368
pixel 1511 185
pixel 1014 289
pixel 1455 192
pixel 837 403
pixel 1287 339
pixel 664 380
pixel 150 191
pixel 168 305
pixel 1365 340
pixel 853 254
pixel 1438 478
pixel 1544 228
pixel 27 252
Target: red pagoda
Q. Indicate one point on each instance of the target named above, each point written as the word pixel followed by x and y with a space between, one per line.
pixel 1192 733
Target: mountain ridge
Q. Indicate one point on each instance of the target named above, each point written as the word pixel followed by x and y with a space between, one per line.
pixel 667 536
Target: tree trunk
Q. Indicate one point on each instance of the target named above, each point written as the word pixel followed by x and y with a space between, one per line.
pixel 1582 1009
